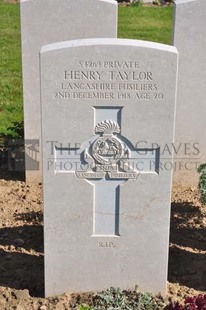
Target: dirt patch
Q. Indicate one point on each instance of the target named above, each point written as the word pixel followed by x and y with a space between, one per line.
pixel 21 248
pixel 187 259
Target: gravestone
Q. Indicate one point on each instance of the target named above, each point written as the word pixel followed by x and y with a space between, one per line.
pixel 49 21
pixel 190 40
pixel 106 192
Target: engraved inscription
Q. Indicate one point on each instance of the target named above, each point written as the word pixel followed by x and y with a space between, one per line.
pixel 106 244
pixel 110 80
pixel 90 175
pixel 110 64
pixel 122 175
pixel 130 76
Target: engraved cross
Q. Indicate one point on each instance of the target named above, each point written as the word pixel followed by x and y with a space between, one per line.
pixel 106 161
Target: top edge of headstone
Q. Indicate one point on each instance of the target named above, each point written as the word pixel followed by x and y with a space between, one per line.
pixel 109 41
pixel 184 1
pixel 109 1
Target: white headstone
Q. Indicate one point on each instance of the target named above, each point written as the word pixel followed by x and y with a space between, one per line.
pixel 106 192
pixel 190 40
pixel 49 21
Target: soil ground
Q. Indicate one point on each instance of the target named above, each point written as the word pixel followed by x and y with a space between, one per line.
pixel 21 247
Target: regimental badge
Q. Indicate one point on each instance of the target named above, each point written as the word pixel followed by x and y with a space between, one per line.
pixel 107 149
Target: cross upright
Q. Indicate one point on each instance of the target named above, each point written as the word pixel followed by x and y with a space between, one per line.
pixel 106 161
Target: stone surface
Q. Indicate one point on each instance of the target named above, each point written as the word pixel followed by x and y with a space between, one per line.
pixel 190 40
pixel 107 112
pixel 49 21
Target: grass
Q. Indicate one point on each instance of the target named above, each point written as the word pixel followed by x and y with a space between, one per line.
pixel 11 107
pixel 144 23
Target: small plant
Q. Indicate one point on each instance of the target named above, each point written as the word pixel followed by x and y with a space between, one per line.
pixel 196 302
pixel 84 307
pixel 202 183
pixel 191 303
pixel 116 299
